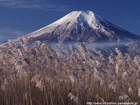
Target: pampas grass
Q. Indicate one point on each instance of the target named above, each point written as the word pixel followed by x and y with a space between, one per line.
pixel 41 75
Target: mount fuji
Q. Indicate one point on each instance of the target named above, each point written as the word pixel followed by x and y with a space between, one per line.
pixel 82 26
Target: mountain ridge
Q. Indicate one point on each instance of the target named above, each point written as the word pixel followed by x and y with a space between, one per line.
pixel 81 26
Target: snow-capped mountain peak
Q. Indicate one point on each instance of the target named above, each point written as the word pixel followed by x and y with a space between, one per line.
pixel 77 17
pixel 81 26
pixel 73 16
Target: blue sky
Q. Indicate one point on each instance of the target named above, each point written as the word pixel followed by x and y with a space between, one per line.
pixel 19 17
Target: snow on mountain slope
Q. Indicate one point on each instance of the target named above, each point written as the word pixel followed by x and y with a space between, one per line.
pixel 81 26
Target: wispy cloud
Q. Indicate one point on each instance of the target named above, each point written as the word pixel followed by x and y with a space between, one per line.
pixel 6 34
pixel 33 4
pixel 17 4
